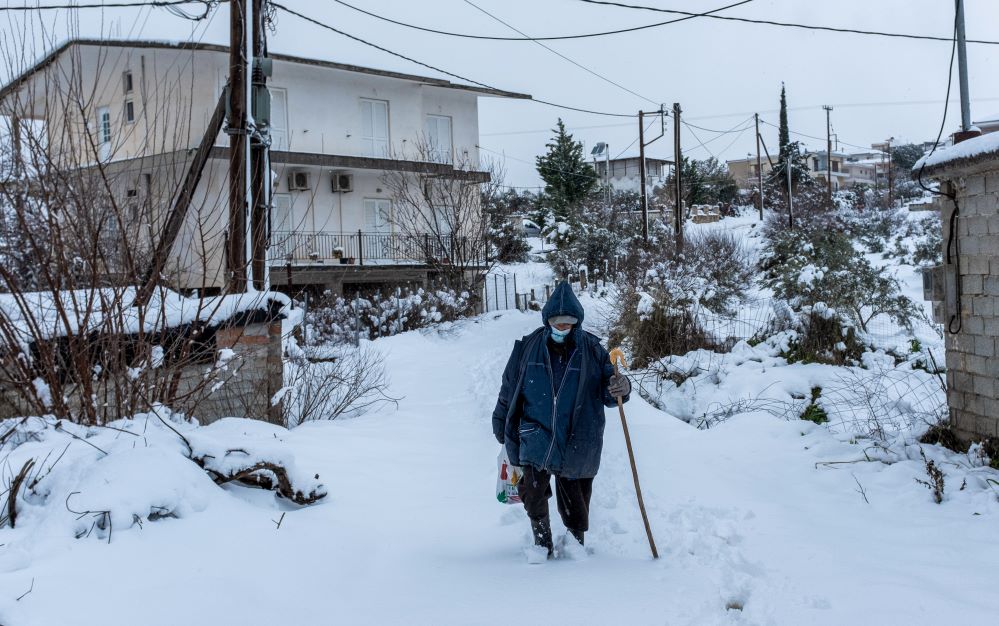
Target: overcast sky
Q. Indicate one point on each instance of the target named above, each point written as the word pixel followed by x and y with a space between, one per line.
pixel 719 71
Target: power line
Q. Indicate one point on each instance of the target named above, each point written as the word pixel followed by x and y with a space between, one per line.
pixel 437 69
pixel 786 24
pixel 167 4
pixel 794 132
pixel 562 56
pixel 526 38
pixel 719 135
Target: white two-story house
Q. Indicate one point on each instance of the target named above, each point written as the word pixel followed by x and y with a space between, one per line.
pixel 142 108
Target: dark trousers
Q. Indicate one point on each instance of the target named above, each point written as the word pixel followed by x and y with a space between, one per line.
pixel 573 497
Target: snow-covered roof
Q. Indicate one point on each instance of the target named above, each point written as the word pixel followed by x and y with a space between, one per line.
pixel 973 151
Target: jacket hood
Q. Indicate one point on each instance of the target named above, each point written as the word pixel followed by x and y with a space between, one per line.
pixel 562 302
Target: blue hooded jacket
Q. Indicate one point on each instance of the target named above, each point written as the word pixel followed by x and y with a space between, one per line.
pixel 551 426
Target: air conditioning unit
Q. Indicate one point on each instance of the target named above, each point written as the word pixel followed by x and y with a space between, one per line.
pixel 298 180
pixel 342 182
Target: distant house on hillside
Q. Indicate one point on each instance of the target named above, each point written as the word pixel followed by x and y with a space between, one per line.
pixel 336 129
pixel 625 172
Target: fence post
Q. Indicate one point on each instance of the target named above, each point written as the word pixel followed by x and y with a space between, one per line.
pixel 533 298
pixel 360 248
pixel 305 318
pixel 548 292
pixel 506 293
pixel 515 300
pixel 496 289
pixel 357 323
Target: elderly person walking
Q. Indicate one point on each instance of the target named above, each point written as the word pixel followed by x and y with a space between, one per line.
pixel 550 415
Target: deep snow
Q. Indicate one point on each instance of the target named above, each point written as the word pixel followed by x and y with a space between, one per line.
pixel 411 531
pixel 759 519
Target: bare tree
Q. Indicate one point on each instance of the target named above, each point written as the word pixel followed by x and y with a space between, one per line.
pixel 437 212
pixel 84 193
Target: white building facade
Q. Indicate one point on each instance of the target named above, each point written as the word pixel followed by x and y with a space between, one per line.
pixel 335 129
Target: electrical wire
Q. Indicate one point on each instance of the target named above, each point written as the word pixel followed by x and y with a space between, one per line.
pixel 526 38
pixel 171 5
pixel 437 69
pixel 833 29
pixel 562 56
pixel 794 132
pixel 952 248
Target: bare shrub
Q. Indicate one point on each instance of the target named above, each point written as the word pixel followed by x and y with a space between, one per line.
pixel 346 382
pixel 440 216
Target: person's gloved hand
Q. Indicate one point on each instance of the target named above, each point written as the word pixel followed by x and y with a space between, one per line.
pixel 499 437
pixel 619 386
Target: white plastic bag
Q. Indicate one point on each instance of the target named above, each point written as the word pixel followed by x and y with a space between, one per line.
pixel 508 478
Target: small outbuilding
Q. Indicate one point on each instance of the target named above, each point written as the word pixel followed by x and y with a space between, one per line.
pixel 965 288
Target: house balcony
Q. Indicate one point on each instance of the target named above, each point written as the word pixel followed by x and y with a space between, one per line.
pixel 366 248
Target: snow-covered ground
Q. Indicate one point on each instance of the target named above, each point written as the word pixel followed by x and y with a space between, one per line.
pixel 762 518
pixel 744 514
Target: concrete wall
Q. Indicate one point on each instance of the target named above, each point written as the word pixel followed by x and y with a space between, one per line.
pixel 973 352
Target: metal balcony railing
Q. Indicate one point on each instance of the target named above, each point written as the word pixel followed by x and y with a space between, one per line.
pixel 361 248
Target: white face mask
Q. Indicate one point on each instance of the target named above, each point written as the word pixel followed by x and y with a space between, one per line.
pixel 558 336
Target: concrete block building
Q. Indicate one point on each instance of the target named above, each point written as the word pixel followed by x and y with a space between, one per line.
pixel 965 289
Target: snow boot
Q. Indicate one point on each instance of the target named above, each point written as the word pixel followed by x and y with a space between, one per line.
pixel 570 546
pixel 542 531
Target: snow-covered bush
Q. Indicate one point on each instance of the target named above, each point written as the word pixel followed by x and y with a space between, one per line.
pixel 921 242
pixel 77 481
pixel 819 270
pixel 665 310
pixel 595 234
pixel 507 244
pixel 335 319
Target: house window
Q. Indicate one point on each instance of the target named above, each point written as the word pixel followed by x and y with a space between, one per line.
pixel 104 132
pixel 129 111
pixel 438 131
pixel 126 82
pixel 132 202
pixel 443 221
pixel 374 128
pixel 279 119
pixel 377 215
pixel 281 221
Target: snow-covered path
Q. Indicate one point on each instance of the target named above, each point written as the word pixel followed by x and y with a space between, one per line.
pixel 749 529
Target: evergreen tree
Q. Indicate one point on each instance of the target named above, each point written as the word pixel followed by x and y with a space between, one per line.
pixel 568 177
pixel 790 154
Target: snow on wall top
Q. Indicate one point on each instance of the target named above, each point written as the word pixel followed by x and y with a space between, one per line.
pixel 967 152
pixel 40 314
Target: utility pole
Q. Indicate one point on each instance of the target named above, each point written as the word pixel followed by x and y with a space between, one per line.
pixel 240 53
pixel 678 177
pixel 759 164
pixel 642 168
pixel 962 65
pixel 260 152
pixel 828 154
pixel 891 179
pixel 641 175
pixel 790 194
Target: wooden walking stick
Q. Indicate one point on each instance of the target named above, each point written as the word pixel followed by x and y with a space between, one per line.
pixel 616 356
